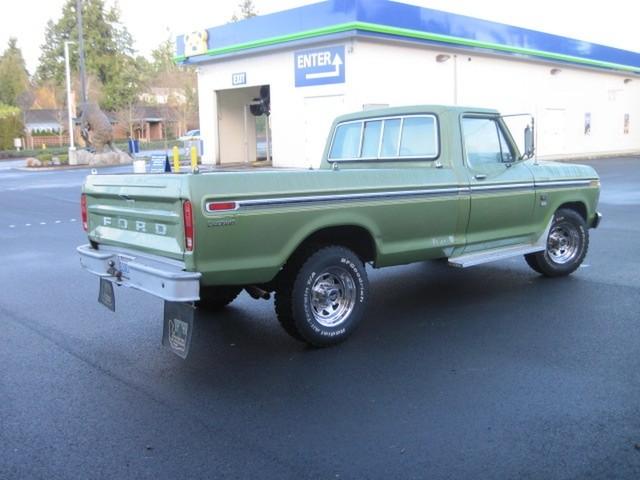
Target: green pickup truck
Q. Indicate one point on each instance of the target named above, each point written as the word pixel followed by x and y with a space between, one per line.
pixel 395 186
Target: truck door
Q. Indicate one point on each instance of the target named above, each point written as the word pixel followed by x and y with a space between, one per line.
pixel 501 187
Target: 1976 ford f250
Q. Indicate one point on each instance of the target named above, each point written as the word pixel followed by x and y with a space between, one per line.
pixel 395 186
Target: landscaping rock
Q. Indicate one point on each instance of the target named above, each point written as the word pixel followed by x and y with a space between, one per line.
pixel 106 158
pixel 33 162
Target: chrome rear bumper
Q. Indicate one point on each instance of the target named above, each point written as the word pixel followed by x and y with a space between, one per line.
pixel 165 278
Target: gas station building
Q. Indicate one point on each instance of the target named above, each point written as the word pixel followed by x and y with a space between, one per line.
pixel 313 63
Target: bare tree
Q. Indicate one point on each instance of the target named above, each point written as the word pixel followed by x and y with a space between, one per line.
pixel 247 10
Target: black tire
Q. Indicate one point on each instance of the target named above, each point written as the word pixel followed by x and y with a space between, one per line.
pixel 567 245
pixel 217 297
pixel 532 262
pixel 321 296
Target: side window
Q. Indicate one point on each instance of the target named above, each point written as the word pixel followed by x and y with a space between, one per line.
pixel 418 137
pixel 346 141
pixel 371 139
pixel 412 136
pixel 507 153
pixel 390 138
pixel 482 142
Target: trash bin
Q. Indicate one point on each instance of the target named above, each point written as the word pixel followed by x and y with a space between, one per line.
pixel 134 146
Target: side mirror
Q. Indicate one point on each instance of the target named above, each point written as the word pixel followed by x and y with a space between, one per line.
pixel 529 147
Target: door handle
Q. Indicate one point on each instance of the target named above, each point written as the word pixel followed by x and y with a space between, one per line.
pixel 480 176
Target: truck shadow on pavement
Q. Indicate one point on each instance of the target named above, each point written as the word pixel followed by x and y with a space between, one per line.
pixel 408 304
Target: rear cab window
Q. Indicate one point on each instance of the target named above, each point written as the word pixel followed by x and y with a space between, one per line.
pixel 388 138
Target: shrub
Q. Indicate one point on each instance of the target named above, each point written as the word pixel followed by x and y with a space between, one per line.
pixel 10 126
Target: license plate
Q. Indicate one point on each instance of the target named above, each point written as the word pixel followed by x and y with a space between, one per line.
pixel 178 327
pixel 106 295
pixel 123 266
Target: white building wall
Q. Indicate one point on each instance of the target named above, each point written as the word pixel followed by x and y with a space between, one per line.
pixel 401 74
pixel 297 114
pixel 387 73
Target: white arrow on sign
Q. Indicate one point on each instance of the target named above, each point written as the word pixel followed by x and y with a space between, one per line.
pixel 337 62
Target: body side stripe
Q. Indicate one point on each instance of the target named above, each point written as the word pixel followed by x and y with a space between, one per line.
pixel 402 194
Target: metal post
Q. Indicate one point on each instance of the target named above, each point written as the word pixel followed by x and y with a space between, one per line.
pixel 455 79
pixel 83 80
pixel 194 160
pixel 176 159
pixel 70 115
pixel 268 140
pixel 245 139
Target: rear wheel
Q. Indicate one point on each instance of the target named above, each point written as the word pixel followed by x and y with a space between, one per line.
pixel 322 296
pixel 217 297
pixel 567 245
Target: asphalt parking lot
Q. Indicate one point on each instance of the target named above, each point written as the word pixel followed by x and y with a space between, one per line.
pixel 490 372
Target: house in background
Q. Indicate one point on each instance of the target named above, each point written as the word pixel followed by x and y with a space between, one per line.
pixel 148 123
pixel 50 121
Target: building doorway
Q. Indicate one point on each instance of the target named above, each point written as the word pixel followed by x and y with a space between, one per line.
pixel 243 133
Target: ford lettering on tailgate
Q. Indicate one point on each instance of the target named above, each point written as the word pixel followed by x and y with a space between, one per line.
pixel 136 225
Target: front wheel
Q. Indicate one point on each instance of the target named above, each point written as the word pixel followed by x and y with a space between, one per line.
pixel 567 245
pixel 322 298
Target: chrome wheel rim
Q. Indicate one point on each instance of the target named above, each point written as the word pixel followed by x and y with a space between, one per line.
pixel 333 297
pixel 563 243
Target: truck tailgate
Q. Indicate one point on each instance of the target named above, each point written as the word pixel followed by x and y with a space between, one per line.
pixel 143 212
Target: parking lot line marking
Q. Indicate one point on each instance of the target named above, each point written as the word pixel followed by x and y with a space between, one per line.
pixel 57 222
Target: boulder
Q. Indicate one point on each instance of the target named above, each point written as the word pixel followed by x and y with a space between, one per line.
pixel 106 158
pixel 32 162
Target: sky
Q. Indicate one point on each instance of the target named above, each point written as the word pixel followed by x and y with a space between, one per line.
pixel 612 23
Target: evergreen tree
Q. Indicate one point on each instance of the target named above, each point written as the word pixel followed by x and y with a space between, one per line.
pixel 14 79
pixel 108 51
pixel 162 58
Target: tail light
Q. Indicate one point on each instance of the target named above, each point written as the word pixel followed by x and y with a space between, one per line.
pixel 83 212
pixel 187 214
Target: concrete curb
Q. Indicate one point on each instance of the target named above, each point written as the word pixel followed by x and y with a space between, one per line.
pixel 68 167
pixel 595 156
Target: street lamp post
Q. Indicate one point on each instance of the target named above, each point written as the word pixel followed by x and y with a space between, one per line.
pixel 72 148
pixel 83 78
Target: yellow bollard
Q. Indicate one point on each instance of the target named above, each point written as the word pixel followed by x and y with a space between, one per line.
pixel 44 147
pixel 176 159
pixel 194 159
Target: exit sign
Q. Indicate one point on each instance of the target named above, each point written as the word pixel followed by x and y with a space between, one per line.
pixel 239 78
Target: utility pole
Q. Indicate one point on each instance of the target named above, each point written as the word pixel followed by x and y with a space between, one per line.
pixel 83 79
pixel 70 115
